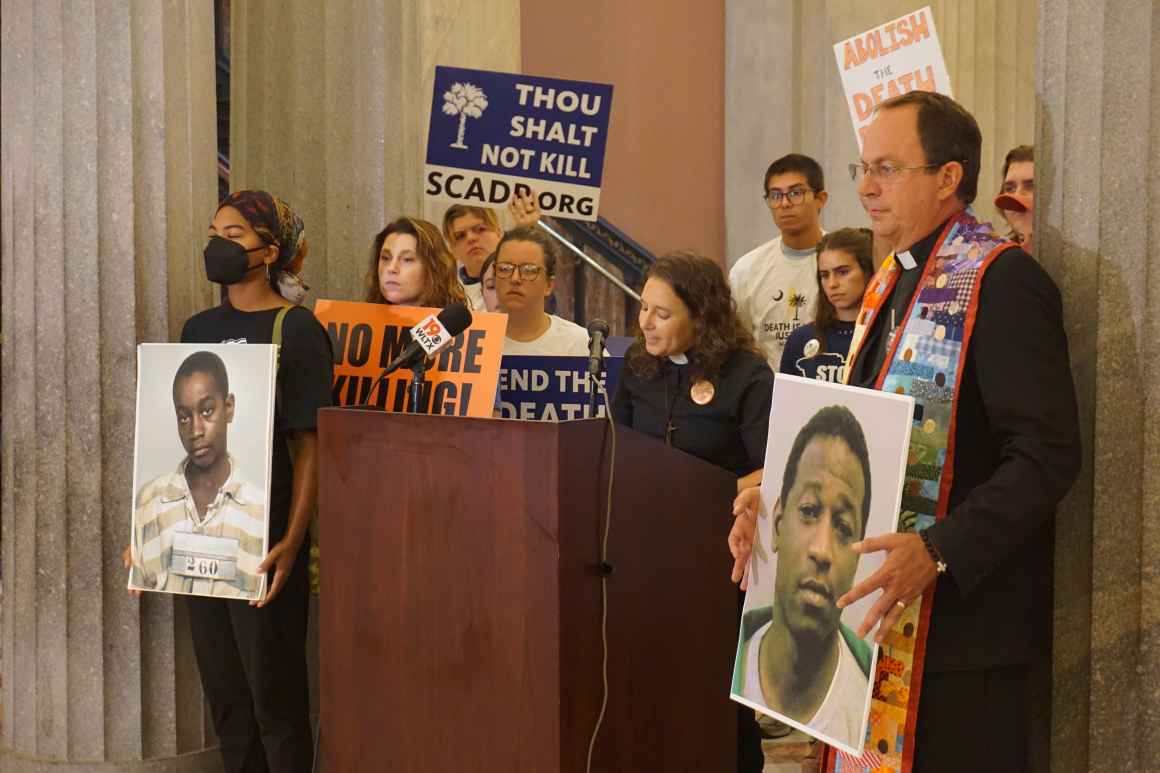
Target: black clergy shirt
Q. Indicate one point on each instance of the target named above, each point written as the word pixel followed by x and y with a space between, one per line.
pixel 729 431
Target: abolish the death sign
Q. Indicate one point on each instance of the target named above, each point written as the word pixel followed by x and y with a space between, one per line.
pixel 494 134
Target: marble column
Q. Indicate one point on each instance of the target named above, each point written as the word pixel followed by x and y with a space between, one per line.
pixel 108 176
pixel 1098 233
pixel 780 57
pixel 329 105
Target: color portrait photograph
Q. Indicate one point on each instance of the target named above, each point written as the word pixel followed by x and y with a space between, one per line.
pixel 834 469
pixel 201 469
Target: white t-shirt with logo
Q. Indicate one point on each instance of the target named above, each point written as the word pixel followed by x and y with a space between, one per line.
pixel 776 288
pixel 561 339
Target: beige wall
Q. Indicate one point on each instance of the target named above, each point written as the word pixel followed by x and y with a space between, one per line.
pixel 329 110
pixel 663 171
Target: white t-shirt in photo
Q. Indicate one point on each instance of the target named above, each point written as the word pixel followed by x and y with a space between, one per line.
pixel 840 715
pixel 561 339
pixel 776 288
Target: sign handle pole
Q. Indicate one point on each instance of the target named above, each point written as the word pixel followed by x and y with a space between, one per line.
pixel 587 259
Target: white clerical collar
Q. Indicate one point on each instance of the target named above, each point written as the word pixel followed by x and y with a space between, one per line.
pixel 679 359
pixel 906 260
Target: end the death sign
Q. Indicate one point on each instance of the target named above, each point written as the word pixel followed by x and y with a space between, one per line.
pixel 496 134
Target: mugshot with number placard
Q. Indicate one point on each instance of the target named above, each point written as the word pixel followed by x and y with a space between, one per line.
pixel 834 470
pixel 201 468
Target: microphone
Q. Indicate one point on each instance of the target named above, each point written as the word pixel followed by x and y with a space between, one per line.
pixel 597 332
pixel 431 335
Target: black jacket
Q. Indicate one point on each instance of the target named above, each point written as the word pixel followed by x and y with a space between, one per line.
pixel 1016 453
pixel 729 431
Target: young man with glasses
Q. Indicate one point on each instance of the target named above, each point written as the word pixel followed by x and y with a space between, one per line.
pixel 525 267
pixel 775 284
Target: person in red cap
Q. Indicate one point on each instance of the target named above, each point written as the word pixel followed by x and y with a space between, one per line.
pixel 1016 200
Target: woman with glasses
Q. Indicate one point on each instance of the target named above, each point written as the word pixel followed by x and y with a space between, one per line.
pixel 411 266
pixel 473 233
pixel 845 264
pixel 525 268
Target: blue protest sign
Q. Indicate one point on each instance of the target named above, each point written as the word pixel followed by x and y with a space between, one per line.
pixel 551 388
pixel 493 134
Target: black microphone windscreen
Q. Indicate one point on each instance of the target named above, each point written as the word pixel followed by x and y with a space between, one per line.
pixel 456 318
pixel 598 326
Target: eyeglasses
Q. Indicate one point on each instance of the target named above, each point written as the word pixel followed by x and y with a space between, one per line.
pixel 885 172
pixel 528 271
pixel 794 196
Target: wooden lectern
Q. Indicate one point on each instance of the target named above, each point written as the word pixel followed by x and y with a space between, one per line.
pixel 460 609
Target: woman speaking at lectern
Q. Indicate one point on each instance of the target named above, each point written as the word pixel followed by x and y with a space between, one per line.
pixel 695 378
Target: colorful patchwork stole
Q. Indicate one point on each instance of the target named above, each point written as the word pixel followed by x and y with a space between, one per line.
pixel 925 359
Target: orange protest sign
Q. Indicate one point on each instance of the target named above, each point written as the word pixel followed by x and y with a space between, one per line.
pixel 461 380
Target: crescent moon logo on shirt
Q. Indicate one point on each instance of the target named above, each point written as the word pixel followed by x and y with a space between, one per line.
pixel 779 296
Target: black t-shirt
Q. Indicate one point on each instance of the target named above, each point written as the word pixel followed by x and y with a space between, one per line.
pixel 730 431
pixel 305 373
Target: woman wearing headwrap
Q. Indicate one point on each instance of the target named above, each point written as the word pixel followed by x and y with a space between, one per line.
pixel 252 657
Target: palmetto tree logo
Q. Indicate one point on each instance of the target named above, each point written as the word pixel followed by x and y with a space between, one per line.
pixel 466 101
pixel 796 301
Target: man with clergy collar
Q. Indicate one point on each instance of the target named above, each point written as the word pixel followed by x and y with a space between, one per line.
pixel 971 326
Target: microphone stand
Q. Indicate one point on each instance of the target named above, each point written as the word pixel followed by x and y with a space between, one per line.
pixel 417 374
pixel 592 387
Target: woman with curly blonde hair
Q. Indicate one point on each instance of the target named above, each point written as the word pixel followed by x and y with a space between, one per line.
pixel 694 375
pixel 411 266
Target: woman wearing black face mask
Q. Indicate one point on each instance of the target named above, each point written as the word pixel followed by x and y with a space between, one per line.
pixel 252 658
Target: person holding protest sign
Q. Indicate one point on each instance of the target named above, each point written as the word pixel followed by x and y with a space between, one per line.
pixel 971 326
pixel 252 657
pixel 694 376
pixel 775 282
pixel 1016 201
pixel 473 233
pixel 845 264
pixel 411 266
pixel 525 267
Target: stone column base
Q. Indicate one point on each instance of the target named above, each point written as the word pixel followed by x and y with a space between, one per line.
pixel 204 761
